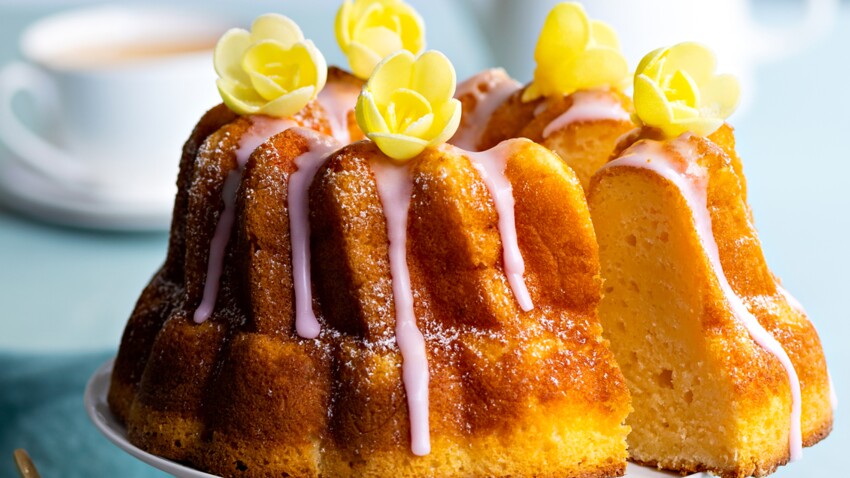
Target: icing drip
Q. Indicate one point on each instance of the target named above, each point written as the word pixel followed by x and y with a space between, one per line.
pixel 395 188
pixel 319 147
pixel 491 165
pixel 796 305
pixel 490 88
pixel 262 128
pixel 338 99
pixel 588 106
pixel 692 181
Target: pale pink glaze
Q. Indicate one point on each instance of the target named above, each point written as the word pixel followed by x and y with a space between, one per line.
pixel 692 181
pixel 794 303
pixel 262 128
pixel 319 147
pixel 338 99
pixel 498 87
pixel 491 166
pixel 589 105
pixel 395 188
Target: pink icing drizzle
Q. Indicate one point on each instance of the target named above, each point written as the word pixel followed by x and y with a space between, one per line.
pixel 491 166
pixel 338 99
pixel 499 86
pixel 691 180
pixel 589 105
pixel 395 188
pixel 262 128
pixel 319 146
pixel 796 305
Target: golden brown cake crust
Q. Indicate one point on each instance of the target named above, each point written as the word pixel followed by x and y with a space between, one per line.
pixel 243 395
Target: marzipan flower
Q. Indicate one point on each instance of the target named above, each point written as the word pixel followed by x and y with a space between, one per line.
pixel 271 70
pixel 576 53
pixel 370 30
pixel 407 105
pixel 676 91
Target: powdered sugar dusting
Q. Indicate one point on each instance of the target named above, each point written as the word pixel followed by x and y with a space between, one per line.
pixel 262 128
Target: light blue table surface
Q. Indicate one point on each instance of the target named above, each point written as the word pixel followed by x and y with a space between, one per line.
pixel 65 294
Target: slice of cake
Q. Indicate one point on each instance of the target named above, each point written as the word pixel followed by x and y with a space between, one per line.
pixel 726 373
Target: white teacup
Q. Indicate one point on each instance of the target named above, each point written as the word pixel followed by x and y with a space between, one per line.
pixel 122 88
pixel 726 26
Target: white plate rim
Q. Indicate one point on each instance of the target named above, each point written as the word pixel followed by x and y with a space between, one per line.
pixel 26 193
pixel 98 411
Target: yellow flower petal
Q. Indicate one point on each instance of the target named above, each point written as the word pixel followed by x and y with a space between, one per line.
pixel 412 29
pixel 420 126
pixel 600 66
pixel 682 88
pixel 272 26
pixel 269 75
pixel 650 59
pixel 272 70
pixel 362 60
pixel 574 53
pixel 368 115
pixel 398 146
pixel 682 112
pixel 240 99
pixel 602 34
pixel 369 30
pixel 380 39
pixel 448 114
pixel 720 96
pixel 565 30
pixel 650 103
pixel 436 88
pixel 408 104
pixel 394 73
pixel 341 30
pixel 693 58
pixel 288 104
pixel 676 91
pixel 531 93
pixel 699 126
pixel 227 57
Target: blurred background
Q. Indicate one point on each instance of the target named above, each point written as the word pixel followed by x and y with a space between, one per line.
pixel 76 250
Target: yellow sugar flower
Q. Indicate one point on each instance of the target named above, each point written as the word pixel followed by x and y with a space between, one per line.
pixel 408 104
pixel 271 70
pixel 676 91
pixel 370 30
pixel 576 53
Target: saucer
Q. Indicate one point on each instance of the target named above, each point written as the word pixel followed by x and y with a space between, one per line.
pixel 45 198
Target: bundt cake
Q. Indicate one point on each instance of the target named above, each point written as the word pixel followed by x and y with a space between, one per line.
pixel 574 106
pixel 392 306
pixel 727 374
